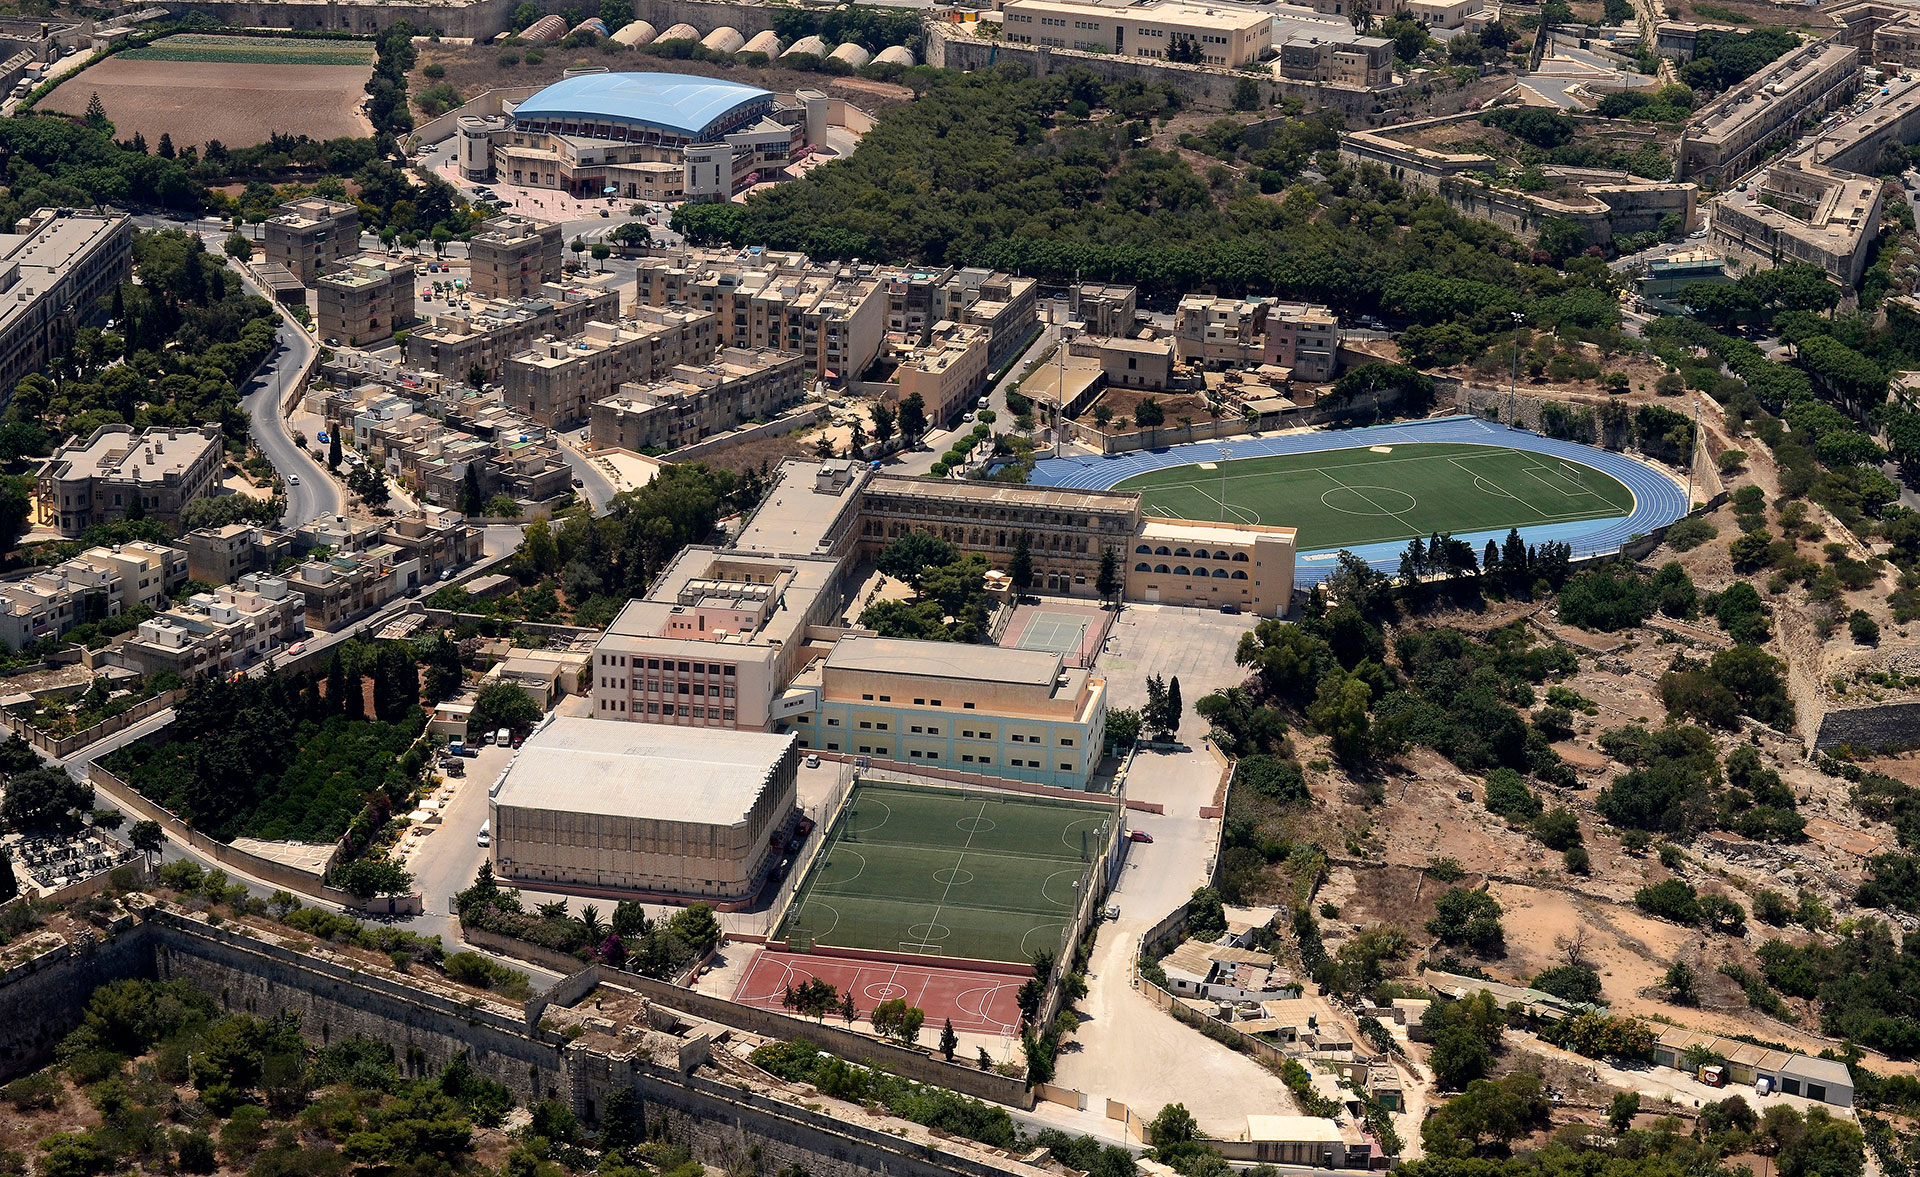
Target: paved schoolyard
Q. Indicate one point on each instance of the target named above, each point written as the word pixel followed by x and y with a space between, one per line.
pixel 1194 645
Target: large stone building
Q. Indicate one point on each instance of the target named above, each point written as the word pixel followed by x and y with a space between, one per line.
pixel 693 401
pixel 455 342
pixel 55 266
pixel 1802 212
pixel 1226 35
pixel 1217 332
pixel 366 301
pixel 716 639
pixel 97 480
pixel 1020 714
pixel 835 316
pixel 514 256
pixel 648 808
pixel 949 372
pixel 312 235
pixel 556 382
pixel 1738 129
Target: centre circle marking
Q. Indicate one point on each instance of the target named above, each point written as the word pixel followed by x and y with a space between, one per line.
pixel 953 876
pixel 1368 500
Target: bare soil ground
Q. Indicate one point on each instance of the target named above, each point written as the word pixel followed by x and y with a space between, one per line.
pixel 240 105
pixel 1752 13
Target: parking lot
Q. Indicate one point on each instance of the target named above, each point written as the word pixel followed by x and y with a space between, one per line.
pixel 1194 645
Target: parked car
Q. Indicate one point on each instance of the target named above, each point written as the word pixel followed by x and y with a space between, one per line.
pixel 293 480
pixel 1229 607
pixel 805 826
pixel 577 484
pixel 1139 836
pixel 813 761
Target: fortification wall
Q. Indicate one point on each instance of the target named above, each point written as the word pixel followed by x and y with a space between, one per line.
pixel 332 1001
pixel 45 996
pixel 1895 725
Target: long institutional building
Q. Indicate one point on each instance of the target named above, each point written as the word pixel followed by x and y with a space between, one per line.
pixel 750 637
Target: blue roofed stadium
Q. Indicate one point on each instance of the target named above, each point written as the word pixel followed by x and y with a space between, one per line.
pixel 683 107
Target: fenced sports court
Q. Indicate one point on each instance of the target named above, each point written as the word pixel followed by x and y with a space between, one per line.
pixel 969 875
pixel 1067 628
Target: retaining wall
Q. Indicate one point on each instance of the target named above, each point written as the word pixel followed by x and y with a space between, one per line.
pixel 45 996
pixel 267 870
pixel 60 747
pixel 778 427
pixel 1871 728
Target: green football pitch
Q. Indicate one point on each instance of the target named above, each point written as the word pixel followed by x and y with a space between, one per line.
pixel 934 872
pixel 1369 495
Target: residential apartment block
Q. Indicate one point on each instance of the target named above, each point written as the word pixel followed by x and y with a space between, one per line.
pixel 96 480
pixel 1104 309
pixel 340 588
pixel 692 401
pixel 949 372
pixel 98 583
pixel 834 316
pixel 1242 332
pixel 454 343
pixel 55 266
pixel 222 555
pixel 918 302
pixel 312 235
pixel 1334 57
pixel 1731 134
pixel 1019 714
pixel 365 302
pixel 557 382
pixel 1228 36
pixel 514 256
pixel 219 632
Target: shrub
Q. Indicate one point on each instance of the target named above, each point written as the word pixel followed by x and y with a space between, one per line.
pixel 1673 899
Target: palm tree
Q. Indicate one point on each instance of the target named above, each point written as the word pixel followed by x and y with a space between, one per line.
pixel 592 924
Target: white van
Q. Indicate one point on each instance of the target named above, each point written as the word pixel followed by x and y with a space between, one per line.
pixel 503 737
pixel 486 833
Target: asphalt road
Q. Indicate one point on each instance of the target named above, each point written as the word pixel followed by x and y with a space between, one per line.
pixel 316 494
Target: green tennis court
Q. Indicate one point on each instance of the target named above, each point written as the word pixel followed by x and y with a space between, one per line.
pixel 946 873
pixel 1367 495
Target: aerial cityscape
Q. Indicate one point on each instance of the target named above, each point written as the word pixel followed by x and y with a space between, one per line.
pixel 1068 588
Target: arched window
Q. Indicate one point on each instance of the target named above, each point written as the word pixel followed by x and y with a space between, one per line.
pixel 1160 568
pixel 1142 568
pixel 1239 575
pixel 1182 570
pixel 1239 557
pixel 1219 573
pixel 1181 552
pixel 1162 551
pixel 1143 550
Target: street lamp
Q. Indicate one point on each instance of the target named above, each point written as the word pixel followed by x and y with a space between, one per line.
pixel 1226 452
pixel 1519 321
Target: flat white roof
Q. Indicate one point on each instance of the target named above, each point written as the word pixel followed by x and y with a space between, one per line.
pixel 643 770
pixel 1293 1128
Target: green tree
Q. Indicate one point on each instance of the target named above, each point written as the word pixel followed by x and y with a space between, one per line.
pixel 1107 581
pixel 913 418
pixel 146 837
pixel 237 246
pixel 1626 1105
pixel 897 1020
pixel 96 116
pixel 1469 919
pixel 1020 568
pixel 367 877
pixel 502 704
pixel 333 450
pixel 1485 1118
pixel 949 1041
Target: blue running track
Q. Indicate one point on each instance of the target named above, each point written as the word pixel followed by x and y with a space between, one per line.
pixel 1657 499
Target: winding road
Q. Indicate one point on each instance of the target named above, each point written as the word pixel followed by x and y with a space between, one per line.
pixel 316 494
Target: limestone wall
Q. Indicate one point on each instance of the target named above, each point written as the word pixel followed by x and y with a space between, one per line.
pixel 45 996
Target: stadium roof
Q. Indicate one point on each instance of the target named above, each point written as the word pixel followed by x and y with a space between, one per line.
pixel 682 103
pixel 643 770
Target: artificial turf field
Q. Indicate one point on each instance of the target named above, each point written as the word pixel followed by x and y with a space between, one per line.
pixel 942 873
pixel 1368 495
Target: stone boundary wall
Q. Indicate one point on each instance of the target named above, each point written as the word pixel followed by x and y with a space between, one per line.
pixel 918 1065
pixel 61 747
pixel 793 422
pixel 1870 728
pixel 45 996
pixel 128 799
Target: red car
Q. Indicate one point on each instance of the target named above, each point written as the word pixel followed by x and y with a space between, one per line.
pixel 1139 836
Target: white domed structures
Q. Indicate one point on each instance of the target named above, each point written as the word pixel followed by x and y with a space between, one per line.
pixel 766 41
pixel 637 32
pixel 724 39
pixel 852 54
pixel 681 32
pixel 813 45
pixel 896 55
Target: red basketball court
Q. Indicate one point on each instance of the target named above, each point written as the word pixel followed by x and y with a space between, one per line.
pixel 978 1003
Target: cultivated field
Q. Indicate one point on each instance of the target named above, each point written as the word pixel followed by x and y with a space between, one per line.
pixel 1349 497
pixel 238 90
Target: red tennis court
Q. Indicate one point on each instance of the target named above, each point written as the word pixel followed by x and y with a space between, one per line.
pixel 978 1003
